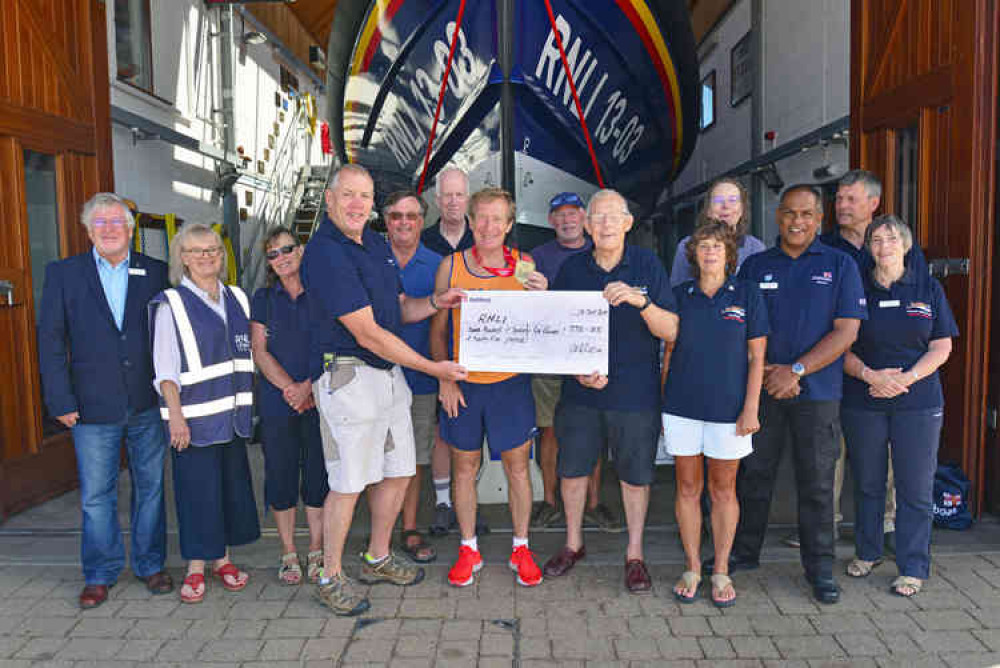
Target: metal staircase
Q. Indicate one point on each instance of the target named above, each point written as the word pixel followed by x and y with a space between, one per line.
pixel 312 185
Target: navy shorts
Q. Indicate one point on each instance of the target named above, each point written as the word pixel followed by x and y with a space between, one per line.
pixel 584 433
pixel 504 412
pixel 293 451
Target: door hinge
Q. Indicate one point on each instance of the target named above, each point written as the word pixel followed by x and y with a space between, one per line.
pixel 943 267
pixel 991 418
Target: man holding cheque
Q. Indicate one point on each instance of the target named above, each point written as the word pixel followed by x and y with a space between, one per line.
pixel 619 410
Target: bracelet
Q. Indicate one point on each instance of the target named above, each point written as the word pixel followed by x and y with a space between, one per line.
pixel 432 302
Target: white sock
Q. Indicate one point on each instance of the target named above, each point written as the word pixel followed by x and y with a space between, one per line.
pixel 442 491
pixel 472 543
pixel 518 542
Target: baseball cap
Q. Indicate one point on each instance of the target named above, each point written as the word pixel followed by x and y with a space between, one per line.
pixel 563 199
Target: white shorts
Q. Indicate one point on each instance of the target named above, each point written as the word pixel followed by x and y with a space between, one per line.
pixel 686 437
pixel 365 424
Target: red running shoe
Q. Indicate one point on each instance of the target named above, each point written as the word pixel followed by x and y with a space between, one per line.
pixel 469 563
pixel 522 562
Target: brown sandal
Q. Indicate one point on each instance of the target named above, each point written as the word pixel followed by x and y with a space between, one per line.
pixel 421 552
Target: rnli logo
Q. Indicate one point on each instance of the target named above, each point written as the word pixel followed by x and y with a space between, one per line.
pixel 242 343
pixel 919 310
pixel 735 313
pixel 823 278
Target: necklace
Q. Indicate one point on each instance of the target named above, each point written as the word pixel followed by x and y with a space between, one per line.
pixel 508 260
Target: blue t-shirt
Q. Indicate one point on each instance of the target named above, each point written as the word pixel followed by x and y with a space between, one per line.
pixel 287 324
pixel 914 258
pixel 342 276
pixel 634 353
pixel 804 295
pixel 418 281
pixel 549 257
pixel 902 321
pixel 709 365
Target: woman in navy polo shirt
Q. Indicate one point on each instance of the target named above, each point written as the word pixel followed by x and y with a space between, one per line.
pixel 892 394
pixel 279 335
pixel 711 398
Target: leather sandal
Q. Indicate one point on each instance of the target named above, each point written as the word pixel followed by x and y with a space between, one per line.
pixel 421 552
pixel 689 580
pixel 314 566
pixel 720 583
pixel 859 568
pixel 194 581
pixel 233 579
pixel 289 569
pixel 906 582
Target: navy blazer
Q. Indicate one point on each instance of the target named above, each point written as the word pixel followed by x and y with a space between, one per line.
pixel 87 364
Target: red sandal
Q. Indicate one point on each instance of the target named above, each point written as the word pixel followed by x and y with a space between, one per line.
pixel 233 579
pixel 194 581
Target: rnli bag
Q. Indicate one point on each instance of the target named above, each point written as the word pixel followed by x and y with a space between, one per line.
pixel 951 498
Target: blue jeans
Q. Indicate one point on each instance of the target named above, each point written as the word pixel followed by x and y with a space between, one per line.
pixel 98 448
pixel 914 436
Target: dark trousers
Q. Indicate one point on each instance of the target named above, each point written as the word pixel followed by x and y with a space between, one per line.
pixel 293 452
pixel 213 492
pixel 914 436
pixel 812 428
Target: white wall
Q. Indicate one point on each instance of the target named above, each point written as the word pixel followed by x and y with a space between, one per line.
pixel 162 178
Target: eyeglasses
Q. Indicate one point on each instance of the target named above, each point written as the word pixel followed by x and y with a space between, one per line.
pixel 609 219
pixel 720 200
pixel 214 251
pixel 411 216
pixel 109 222
pixel 284 250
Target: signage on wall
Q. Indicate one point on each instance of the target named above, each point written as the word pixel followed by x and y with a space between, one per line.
pixel 741 71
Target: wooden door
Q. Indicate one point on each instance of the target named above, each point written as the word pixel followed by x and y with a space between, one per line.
pixel 923 118
pixel 55 151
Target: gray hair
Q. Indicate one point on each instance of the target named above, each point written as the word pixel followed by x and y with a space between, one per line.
pixel 179 243
pixel 604 193
pixel 895 224
pixel 805 188
pixel 349 168
pixel 453 170
pixel 103 201
pixel 871 183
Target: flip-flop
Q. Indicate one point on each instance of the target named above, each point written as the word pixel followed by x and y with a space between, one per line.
pixel 689 580
pixel 194 580
pixel 719 583
pixel 289 569
pixel 423 552
pixel 916 584
pixel 859 568
pixel 230 576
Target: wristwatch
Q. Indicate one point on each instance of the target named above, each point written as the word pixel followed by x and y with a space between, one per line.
pixel 645 304
pixel 799 369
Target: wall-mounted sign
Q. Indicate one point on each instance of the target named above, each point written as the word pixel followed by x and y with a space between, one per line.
pixel 741 71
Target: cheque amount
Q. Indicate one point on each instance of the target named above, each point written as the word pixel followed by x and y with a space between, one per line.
pixel 534 332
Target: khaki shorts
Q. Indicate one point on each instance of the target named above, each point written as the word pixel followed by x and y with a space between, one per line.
pixel 365 425
pixel 424 415
pixel 546 390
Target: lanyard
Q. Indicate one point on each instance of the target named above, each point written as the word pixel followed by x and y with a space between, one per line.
pixel 508 259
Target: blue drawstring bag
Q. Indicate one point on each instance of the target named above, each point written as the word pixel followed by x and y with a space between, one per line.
pixel 951 498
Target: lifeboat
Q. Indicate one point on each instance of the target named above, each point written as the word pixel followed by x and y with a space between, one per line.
pixel 541 96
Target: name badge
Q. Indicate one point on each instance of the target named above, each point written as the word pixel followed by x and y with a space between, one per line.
pixel 136 271
pixel 888 303
pixel 770 285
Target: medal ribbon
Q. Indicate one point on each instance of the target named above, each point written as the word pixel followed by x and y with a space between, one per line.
pixel 508 259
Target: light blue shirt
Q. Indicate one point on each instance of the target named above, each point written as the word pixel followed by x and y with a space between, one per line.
pixel 114 280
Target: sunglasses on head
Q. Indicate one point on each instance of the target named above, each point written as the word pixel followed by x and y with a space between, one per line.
pixel 284 250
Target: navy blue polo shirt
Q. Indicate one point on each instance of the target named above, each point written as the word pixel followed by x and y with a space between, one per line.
pixel 634 354
pixel 804 295
pixel 709 366
pixel 287 324
pixel 342 276
pixel 902 321
pixel 418 281
pixel 435 241
pixel 914 258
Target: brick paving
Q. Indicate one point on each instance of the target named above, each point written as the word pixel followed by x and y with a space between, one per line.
pixel 584 619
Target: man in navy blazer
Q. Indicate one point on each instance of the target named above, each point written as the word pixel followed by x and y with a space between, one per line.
pixel 97 379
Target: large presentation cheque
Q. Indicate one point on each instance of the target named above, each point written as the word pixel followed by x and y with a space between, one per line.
pixel 534 332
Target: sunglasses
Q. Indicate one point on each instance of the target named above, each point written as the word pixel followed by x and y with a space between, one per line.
pixel 284 250
pixel 399 215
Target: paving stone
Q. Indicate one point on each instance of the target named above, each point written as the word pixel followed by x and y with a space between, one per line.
pixel 259 610
pixel 293 628
pixel 457 652
pixel 989 637
pixel 338 627
pixel 323 648
pixel 893 622
pixel 496 644
pixel 754 648
pixel 843 623
pixel 728 663
pixel 971 660
pixel 90 648
pixel 729 625
pixel 181 650
pixel 690 626
pixel 862 644
pixel 429 607
pixel 654 627
pixel 40 648
pixel 582 648
pixel 282 649
pixel 10 645
pixel 461 629
pixel 843 663
pixel 680 648
pixel 245 628
pixel 807 647
pixel 368 651
pixel 207 629
pixel 636 649
pixel 425 628
pixel 948 641
pixel 416 647
pixel 945 620
pixel 158 628
pixel 230 650
pixel 717 648
pixel 776 625
pixel 163 606
pixel 535 647
pixel 102 628
pixel 139 650
pixel 399 662
pixel 45 626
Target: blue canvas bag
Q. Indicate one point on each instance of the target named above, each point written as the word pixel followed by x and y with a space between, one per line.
pixel 951 498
